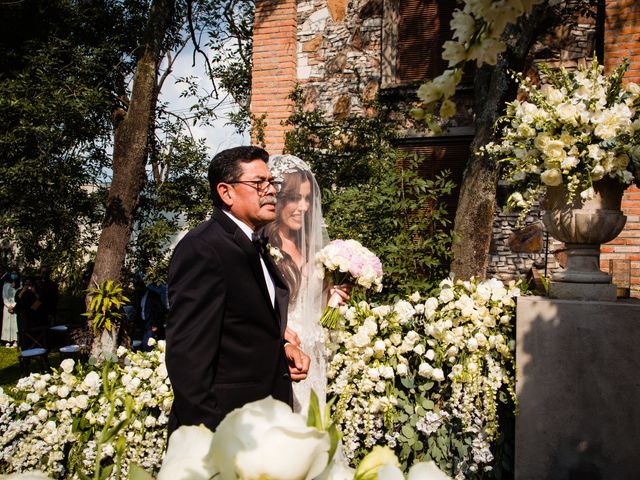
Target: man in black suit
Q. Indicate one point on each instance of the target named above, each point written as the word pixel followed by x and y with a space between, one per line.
pixel 228 301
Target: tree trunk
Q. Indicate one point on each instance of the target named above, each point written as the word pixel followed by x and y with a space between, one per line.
pixel 130 153
pixel 493 88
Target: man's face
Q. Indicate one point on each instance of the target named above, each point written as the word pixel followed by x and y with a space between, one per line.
pixel 245 202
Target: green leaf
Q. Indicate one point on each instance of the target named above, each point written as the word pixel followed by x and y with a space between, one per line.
pixel 138 473
pixel 436 453
pixel 106 471
pixel 407 382
pixel 83 476
pixel 109 434
pixel 427 404
pixel 408 432
pixel 314 418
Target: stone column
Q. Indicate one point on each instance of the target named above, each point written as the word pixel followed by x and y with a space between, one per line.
pixel 578 389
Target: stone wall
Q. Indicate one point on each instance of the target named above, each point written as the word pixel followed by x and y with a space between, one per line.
pixel 339 46
pixel 507 264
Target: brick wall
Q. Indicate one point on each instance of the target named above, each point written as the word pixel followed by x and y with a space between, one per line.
pixel 622 40
pixel 622 36
pixel 274 67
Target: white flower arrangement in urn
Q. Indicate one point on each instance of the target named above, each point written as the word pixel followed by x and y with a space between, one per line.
pixel 573 129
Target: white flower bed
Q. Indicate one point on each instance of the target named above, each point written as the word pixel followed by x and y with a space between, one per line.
pixel 425 375
pixel 62 414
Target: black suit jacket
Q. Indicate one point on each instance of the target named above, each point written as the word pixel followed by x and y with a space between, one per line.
pixel 224 337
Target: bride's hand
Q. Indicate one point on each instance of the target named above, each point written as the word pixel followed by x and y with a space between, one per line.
pixel 343 292
pixel 290 336
pixel 298 362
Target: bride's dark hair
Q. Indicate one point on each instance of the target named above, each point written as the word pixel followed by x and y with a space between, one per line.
pixel 289 269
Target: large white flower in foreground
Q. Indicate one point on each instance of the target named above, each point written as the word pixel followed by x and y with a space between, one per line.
pixel 371 464
pixel 188 455
pixel 265 439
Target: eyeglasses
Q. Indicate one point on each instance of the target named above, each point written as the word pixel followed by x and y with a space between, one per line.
pixel 261 186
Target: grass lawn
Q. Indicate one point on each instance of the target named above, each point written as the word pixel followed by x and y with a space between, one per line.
pixel 10 367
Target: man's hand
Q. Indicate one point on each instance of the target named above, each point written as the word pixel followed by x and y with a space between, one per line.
pixel 298 362
pixel 290 336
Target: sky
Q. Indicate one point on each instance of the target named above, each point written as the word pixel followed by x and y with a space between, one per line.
pixel 219 136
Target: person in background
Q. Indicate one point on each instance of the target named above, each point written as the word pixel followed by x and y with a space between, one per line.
pixel 32 323
pixel 48 293
pixel 9 316
pixel 150 311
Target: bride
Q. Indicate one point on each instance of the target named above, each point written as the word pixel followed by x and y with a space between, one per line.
pixel 298 232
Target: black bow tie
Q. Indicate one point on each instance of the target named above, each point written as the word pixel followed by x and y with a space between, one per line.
pixel 260 242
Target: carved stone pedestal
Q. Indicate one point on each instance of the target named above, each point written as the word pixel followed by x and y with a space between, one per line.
pixel 583 225
pixel 605 292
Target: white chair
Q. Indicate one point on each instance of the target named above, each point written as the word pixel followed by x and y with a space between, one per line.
pixel 33 346
pixel 69 351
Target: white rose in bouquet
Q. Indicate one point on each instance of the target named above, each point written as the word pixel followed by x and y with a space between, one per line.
pixel 347 261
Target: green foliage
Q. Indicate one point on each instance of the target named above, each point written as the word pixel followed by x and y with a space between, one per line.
pixel 341 152
pixel 176 197
pixel 375 194
pixel 58 79
pixel 225 27
pixel 105 307
pixel 323 421
pixel 397 214
pixel 9 367
pixel 66 68
pixel 258 126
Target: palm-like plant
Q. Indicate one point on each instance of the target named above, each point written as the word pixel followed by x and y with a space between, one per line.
pixel 106 305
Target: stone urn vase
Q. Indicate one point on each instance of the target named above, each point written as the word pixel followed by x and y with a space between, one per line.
pixel 583 225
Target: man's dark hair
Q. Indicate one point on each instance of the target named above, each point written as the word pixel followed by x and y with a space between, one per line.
pixel 225 167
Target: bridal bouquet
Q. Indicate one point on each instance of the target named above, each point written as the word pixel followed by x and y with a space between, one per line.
pixel 576 128
pixel 347 261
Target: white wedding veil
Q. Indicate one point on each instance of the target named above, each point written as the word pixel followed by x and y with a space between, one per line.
pixel 306 286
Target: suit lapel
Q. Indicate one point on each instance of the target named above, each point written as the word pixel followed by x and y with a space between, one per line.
pixel 282 293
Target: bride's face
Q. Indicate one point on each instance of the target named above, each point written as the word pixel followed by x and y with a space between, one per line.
pixel 295 205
